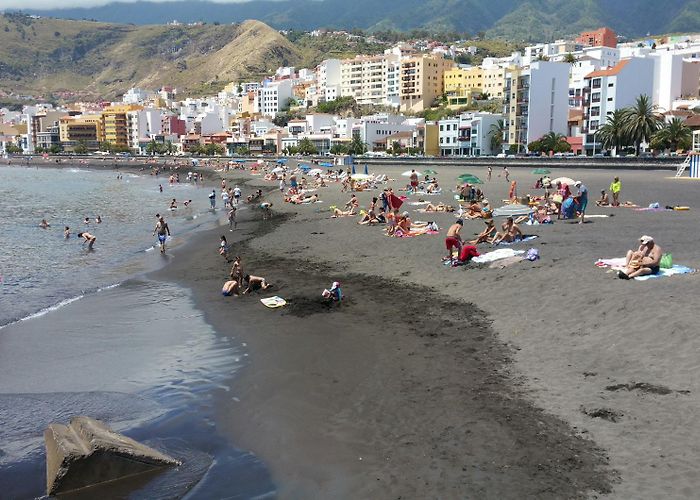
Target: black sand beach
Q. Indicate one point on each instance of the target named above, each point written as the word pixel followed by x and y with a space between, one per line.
pixel 550 379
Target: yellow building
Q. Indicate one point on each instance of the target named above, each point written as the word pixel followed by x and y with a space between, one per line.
pixel 85 129
pixel 459 80
pixel 462 82
pixel 115 124
pixel 422 81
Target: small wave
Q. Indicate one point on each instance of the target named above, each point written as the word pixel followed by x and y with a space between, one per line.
pixel 56 306
pixel 46 310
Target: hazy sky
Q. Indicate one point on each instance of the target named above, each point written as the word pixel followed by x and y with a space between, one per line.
pixel 50 4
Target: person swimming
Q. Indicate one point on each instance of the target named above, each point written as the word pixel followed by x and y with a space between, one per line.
pixel 89 238
pixel 44 224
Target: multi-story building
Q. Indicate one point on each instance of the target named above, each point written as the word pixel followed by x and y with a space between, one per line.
pixel 40 123
pixel 463 83
pixel 467 135
pixel 115 124
pixel 676 75
pixel 602 37
pixel 328 81
pixel 422 81
pixel 364 78
pixel 536 102
pixel 84 129
pixel 273 97
pixel 614 88
pixel 374 129
pixel 142 125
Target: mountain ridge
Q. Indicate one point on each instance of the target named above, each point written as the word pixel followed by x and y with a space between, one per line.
pixel 101 60
pixel 519 20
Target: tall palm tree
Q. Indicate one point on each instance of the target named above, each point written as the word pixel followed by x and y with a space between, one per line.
pixel 612 135
pixel 496 132
pixel 674 135
pixel 641 121
pixel 570 58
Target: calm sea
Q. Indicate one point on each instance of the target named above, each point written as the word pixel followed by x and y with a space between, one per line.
pixel 86 334
pixel 40 269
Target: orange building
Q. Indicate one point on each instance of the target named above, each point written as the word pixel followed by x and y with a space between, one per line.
pixel 602 37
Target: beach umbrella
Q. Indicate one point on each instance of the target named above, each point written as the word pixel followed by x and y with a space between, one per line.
pixel 429 171
pixel 360 177
pixel 407 173
pixel 282 160
pixel 325 164
pixel 315 171
pixel 277 170
pixel 366 170
pixel 469 179
pixel 353 168
pixel 541 171
pixel 564 180
pixel 513 210
pixel 239 161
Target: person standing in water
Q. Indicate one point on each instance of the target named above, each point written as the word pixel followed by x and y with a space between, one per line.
pixel 89 238
pixel 232 224
pixel 163 232
pixel 212 199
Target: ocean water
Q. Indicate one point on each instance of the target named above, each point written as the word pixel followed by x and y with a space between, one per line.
pixel 84 333
pixel 40 269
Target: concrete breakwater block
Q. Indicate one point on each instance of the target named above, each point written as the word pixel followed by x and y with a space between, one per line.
pixel 87 452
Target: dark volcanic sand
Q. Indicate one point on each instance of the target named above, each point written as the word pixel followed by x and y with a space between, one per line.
pixel 400 392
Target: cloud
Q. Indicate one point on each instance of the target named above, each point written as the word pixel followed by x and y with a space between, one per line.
pixel 57 4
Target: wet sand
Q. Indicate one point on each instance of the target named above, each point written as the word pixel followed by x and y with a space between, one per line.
pixel 439 382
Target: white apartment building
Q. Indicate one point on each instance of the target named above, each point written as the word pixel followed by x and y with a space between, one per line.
pixel 536 102
pixel 614 88
pixel 365 78
pixel 143 124
pixel 373 130
pixel 136 96
pixel 273 97
pixel 676 75
pixel 467 135
pixel 328 79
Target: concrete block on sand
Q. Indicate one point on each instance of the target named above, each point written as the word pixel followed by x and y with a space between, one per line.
pixel 86 452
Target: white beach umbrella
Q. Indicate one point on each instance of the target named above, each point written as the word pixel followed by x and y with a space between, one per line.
pixel 277 170
pixel 514 210
pixel 314 171
pixel 408 173
pixel 564 180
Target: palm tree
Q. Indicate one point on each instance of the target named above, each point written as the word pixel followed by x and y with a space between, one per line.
pixel 612 135
pixel 554 142
pixel 357 147
pixel 570 58
pixel 640 122
pixel 496 133
pixel 674 135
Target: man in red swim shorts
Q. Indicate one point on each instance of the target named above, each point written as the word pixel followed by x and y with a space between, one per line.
pixel 453 239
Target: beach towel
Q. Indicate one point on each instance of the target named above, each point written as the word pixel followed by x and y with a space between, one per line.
pixel 619 263
pixel 518 240
pixel 273 302
pixel 501 253
pixel 507 262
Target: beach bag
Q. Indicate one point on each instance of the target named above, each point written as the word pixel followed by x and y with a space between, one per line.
pixel 666 261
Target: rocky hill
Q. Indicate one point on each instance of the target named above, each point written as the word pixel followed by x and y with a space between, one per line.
pixel 516 20
pixel 75 59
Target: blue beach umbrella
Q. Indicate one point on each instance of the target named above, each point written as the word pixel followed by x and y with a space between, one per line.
pixel 325 164
pixel 282 160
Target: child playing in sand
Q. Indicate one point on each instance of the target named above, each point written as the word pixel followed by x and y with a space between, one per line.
pixel 603 201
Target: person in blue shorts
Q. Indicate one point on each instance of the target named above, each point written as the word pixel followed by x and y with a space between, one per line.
pixel 163 231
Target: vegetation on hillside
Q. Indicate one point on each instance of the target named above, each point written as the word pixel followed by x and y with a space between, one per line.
pixel 82 59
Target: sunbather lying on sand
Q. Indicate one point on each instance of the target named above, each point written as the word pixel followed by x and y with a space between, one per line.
pixel 510 231
pixel 440 207
pixel 474 211
pixel 645 260
pixel 486 234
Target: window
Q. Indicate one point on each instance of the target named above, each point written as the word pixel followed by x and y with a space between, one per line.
pixel 596 83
